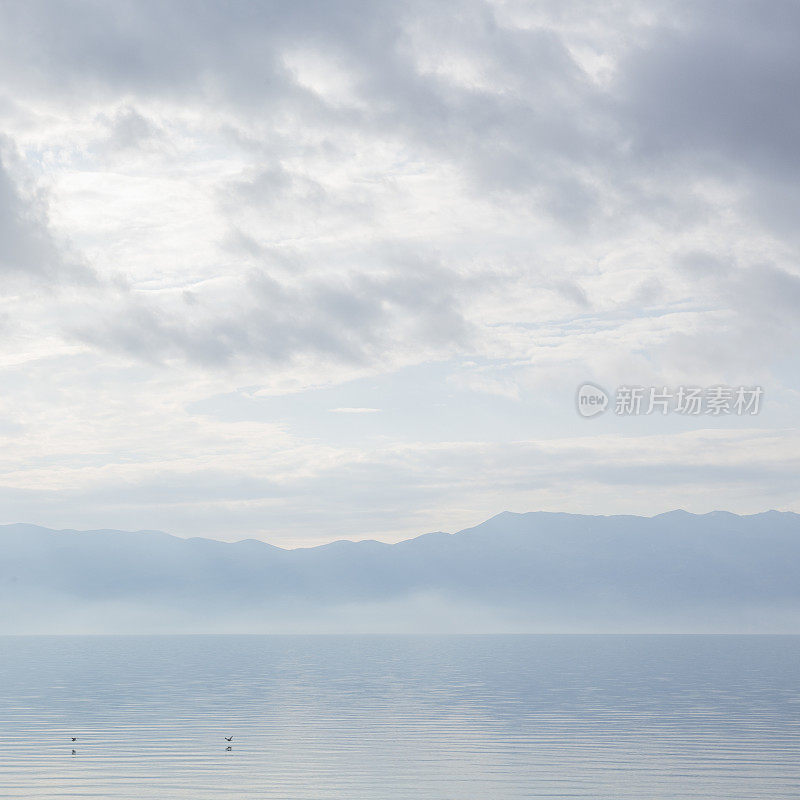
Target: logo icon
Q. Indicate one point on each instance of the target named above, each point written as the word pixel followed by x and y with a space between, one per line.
pixel 591 400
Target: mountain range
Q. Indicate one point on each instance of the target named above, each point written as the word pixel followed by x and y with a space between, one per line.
pixel 533 572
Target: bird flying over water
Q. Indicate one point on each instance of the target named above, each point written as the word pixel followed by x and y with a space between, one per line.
pixel 74 738
pixel 229 738
pixel 74 752
pixel 229 748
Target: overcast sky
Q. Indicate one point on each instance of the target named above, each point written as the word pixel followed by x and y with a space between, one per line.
pixel 316 270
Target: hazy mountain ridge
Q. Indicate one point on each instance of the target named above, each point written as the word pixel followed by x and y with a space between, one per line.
pixel 531 571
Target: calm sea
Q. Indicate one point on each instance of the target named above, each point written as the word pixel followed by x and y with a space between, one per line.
pixel 450 718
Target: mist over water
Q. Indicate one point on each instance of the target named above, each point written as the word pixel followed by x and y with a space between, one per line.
pixel 514 573
pixel 400 717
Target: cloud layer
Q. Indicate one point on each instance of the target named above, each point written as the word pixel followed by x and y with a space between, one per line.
pixel 218 223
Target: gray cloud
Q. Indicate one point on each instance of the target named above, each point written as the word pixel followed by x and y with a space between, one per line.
pixel 128 129
pixel 177 48
pixel 29 252
pixel 350 318
pixel 536 124
pixel 717 84
pixel 26 247
pixel 706 88
pixel 715 96
pixel 764 300
pixel 719 87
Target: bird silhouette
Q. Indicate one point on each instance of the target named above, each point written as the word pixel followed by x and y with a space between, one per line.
pixel 74 738
pixel 74 752
pixel 229 738
pixel 229 748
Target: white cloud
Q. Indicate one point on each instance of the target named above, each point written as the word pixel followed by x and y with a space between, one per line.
pixel 453 213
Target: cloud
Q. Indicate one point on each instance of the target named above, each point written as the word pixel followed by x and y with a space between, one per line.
pixel 26 245
pixel 128 129
pixel 32 256
pixel 511 106
pixel 714 87
pixel 758 320
pixel 207 200
pixel 709 97
pixel 256 488
pixel 351 318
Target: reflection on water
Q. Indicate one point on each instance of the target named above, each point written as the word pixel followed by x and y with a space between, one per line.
pixel 484 717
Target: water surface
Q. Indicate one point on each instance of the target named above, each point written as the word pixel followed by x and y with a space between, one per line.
pixel 375 718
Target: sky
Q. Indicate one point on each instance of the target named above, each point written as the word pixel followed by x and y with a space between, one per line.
pixel 307 271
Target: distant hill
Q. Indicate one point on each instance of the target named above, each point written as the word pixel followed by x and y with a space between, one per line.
pixel 515 572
